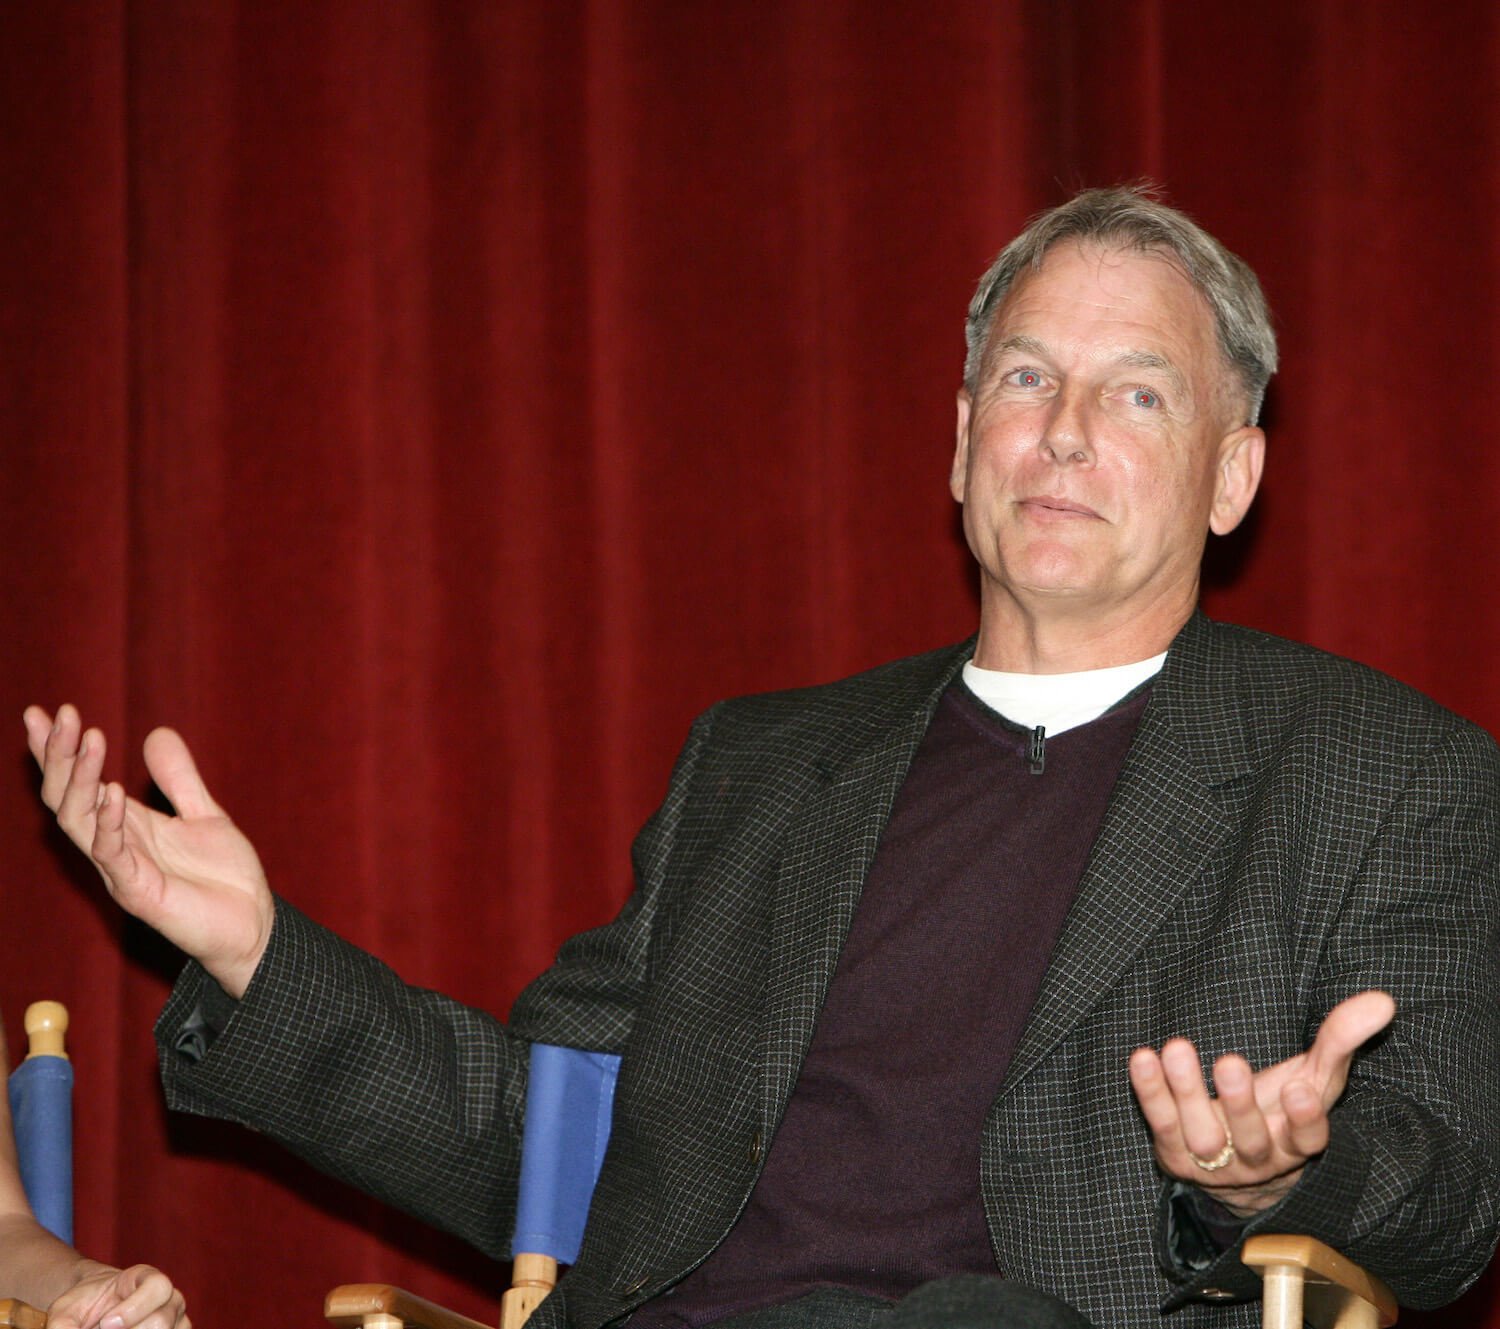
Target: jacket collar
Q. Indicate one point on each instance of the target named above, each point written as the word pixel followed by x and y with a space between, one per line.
pixel 1173 807
pixel 1196 699
pixel 828 851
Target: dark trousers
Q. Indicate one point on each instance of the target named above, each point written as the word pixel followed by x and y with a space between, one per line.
pixel 969 1301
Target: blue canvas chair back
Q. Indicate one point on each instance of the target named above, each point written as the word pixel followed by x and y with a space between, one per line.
pixel 41 1105
pixel 569 1100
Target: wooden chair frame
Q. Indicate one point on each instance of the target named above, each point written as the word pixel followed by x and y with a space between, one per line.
pixel 1304 1281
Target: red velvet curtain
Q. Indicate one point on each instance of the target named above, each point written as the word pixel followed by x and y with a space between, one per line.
pixel 428 408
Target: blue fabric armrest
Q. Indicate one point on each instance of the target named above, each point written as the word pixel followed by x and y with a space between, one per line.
pixel 569 1098
pixel 41 1102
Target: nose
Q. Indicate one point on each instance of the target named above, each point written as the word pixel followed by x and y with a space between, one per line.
pixel 1066 438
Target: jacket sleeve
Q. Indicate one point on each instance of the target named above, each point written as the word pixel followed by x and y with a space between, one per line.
pixel 407 1095
pixel 1409 1186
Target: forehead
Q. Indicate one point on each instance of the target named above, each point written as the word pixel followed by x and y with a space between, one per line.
pixel 1110 303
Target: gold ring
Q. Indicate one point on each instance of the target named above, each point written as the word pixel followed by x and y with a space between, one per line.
pixel 1220 1159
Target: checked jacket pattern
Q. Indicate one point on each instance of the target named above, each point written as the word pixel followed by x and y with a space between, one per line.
pixel 1289 828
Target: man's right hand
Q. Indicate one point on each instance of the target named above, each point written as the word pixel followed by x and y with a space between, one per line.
pixel 193 877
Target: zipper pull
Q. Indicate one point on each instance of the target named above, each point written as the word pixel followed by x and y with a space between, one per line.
pixel 1037 753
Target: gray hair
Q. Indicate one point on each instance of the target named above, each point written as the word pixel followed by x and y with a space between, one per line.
pixel 1130 218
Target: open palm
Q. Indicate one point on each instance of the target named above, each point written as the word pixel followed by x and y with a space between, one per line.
pixel 1249 1143
pixel 192 876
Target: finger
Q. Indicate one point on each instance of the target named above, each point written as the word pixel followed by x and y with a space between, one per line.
pixel 61 1315
pixel 1202 1129
pixel 170 1316
pixel 58 752
pixel 1149 1083
pixel 1306 1119
pixel 1234 1087
pixel 82 1304
pixel 80 800
pixel 108 848
pixel 151 1299
pixel 176 774
pixel 38 725
pixel 1347 1027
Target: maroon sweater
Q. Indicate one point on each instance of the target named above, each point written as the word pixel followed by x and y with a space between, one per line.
pixel 872 1179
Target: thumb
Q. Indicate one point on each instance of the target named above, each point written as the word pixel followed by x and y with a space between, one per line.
pixel 1348 1026
pixel 176 774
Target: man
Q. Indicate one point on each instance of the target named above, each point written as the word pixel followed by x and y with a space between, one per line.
pixel 902 948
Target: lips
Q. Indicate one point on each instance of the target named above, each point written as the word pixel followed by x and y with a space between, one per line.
pixel 1048 506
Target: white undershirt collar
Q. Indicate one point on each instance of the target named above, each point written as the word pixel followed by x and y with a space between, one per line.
pixel 1058 702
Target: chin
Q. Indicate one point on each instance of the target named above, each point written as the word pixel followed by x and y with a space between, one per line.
pixel 1058 574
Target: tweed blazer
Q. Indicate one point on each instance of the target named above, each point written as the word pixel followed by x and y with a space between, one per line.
pixel 1289 828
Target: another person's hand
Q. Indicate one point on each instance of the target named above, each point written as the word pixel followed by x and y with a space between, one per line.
pixel 1247 1146
pixel 136 1298
pixel 193 877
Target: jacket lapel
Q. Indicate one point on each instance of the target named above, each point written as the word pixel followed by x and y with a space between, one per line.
pixel 828 852
pixel 1168 814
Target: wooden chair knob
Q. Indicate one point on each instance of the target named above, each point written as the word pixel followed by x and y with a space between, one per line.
pixel 46 1023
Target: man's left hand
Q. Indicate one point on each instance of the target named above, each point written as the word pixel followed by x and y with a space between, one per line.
pixel 1248 1145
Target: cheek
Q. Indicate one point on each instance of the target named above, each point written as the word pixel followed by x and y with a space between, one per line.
pixel 1172 504
pixel 1008 429
pixel 987 470
pixel 1155 497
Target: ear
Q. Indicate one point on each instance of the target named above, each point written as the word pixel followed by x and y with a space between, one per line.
pixel 1242 456
pixel 958 478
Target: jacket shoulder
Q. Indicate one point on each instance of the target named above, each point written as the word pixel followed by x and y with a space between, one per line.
pixel 859 705
pixel 1290 683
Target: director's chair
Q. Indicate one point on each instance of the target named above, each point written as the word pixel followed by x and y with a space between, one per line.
pixel 41 1106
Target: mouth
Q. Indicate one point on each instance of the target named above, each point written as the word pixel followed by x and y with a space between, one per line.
pixel 1048 507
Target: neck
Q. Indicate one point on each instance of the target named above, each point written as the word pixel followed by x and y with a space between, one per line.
pixel 1053 638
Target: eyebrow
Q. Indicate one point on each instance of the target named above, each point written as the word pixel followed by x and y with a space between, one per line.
pixel 1150 360
pixel 1021 342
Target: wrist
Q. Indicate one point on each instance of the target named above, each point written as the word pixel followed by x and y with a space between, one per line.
pixel 1247 1201
pixel 234 973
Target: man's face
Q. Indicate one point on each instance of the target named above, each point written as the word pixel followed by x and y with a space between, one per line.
pixel 1101 443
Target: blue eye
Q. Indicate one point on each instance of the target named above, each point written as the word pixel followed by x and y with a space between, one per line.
pixel 1026 378
pixel 1145 398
